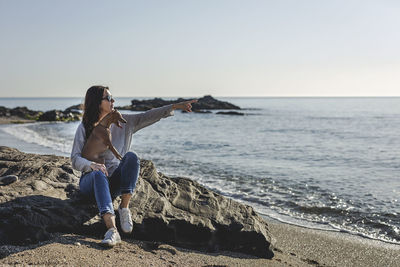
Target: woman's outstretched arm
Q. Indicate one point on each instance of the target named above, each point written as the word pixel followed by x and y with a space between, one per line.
pixel 144 119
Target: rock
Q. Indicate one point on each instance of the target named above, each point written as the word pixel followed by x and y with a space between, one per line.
pixel 176 211
pixel 4 111
pixel 75 108
pixel 208 102
pixel 201 111
pixel 230 113
pixel 24 112
pixel 58 115
pixel 127 107
pixel 52 115
pixel 205 103
pixel 20 112
pixel 8 179
pixel 142 105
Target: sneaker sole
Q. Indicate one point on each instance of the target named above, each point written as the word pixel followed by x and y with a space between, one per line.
pixel 109 245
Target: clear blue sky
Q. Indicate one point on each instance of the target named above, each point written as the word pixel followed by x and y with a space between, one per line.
pixel 192 48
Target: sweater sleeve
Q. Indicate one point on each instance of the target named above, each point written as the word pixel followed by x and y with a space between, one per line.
pixel 144 119
pixel 78 162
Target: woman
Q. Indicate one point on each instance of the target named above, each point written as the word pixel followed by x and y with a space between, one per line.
pixel 115 177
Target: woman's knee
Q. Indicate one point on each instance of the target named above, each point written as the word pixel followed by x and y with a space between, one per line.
pixel 99 176
pixel 91 181
pixel 132 157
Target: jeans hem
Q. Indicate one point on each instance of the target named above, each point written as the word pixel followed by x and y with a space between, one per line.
pixel 128 191
pixel 105 212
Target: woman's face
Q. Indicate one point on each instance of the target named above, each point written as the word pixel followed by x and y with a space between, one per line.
pixel 107 106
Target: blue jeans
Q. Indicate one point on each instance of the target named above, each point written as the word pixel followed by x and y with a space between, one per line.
pixel 122 181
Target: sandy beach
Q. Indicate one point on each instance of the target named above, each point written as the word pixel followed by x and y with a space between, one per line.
pixel 294 246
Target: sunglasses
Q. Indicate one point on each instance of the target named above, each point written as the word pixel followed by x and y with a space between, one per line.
pixel 108 98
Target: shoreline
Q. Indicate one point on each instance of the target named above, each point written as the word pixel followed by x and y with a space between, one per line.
pixel 14 120
pixel 331 229
pixel 293 246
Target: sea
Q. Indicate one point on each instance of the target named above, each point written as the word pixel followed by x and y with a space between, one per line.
pixel 329 163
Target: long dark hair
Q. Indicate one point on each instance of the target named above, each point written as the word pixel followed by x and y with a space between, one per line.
pixel 91 109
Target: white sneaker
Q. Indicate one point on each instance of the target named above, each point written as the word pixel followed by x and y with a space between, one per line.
pixel 125 218
pixel 111 238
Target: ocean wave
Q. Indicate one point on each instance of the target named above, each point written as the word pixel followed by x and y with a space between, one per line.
pixel 307 206
pixel 28 133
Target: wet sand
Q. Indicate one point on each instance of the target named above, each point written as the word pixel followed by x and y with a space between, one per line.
pixel 294 246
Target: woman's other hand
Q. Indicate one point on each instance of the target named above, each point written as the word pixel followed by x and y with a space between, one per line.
pixel 185 105
pixel 99 167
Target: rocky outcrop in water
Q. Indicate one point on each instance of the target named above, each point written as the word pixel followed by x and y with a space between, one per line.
pixel 178 211
pixel 74 113
pixel 205 103
pixel 20 112
pixel 24 113
pixel 58 115
pixel 75 108
pixel 230 113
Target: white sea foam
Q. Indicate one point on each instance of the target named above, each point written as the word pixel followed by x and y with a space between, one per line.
pixel 25 133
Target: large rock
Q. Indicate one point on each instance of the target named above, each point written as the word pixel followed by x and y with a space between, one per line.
pixel 208 102
pixel 58 115
pixel 205 103
pixel 75 108
pixel 178 211
pixel 20 112
pixel 53 115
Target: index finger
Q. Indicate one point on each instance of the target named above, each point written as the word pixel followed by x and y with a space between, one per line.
pixel 192 101
pixel 104 169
